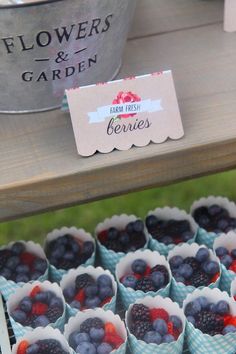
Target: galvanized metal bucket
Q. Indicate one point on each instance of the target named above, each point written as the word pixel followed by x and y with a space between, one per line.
pixel 48 46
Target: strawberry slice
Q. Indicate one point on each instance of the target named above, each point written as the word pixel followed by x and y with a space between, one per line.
pixel 22 347
pixel 35 291
pixel 159 313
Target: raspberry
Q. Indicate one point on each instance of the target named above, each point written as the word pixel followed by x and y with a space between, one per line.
pixel 170 327
pixel 80 296
pixel 110 328
pixel 106 301
pixel 145 284
pixel 140 312
pixel 233 266
pixel 148 270
pixel 35 291
pixel 208 322
pixel 22 347
pixel 161 268
pixel 53 313
pixel 39 308
pixel 140 328
pixel 89 323
pixel 230 320
pixel 27 258
pixel 50 346
pixel 102 236
pixel 83 280
pixel 159 313
pixel 199 278
pixel 113 339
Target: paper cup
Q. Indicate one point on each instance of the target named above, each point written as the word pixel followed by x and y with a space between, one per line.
pixel 228 241
pixel 106 316
pixel 41 334
pixel 20 293
pixel 109 258
pixel 69 279
pixel 129 295
pixel 9 287
pixel 167 214
pixel 204 237
pixel 81 235
pixel 201 343
pixel 233 289
pixel 179 291
pixel 138 346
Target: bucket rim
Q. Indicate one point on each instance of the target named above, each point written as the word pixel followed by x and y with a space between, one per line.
pixel 29 4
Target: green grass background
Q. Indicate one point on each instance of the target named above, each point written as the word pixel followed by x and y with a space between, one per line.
pixel 88 215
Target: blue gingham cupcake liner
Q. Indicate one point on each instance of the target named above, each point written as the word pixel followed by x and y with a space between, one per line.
pixel 109 258
pixel 167 213
pixel 129 295
pixel 9 287
pixel 69 279
pixel 41 333
pixel 179 291
pixel 201 343
pixel 204 237
pixel 55 275
pixel 14 299
pixel 229 242
pixel 138 346
pixel 106 316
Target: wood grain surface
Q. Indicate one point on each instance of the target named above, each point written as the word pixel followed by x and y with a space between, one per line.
pixel 40 169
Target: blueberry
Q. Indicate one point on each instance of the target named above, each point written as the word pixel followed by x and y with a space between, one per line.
pixel 168 338
pixel 233 253
pixel 202 254
pixel 76 304
pixel 92 303
pixel 69 293
pixel 151 222
pixel 211 267
pixel 185 270
pixel 177 323
pixel 203 221
pixel 69 256
pixel 91 290
pixel 139 266
pixel 75 247
pixel 214 210
pixel 212 307
pixel 40 265
pixel 222 224
pixel 191 319
pixel 176 261
pixel 217 231
pixel 19 316
pixel 76 338
pixel 104 348
pixel 221 251
pixel 158 279
pixel 167 240
pixel 226 260
pixel 96 334
pixel 33 349
pixel 26 304
pixel 41 297
pixel 41 321
pixel 129 281
pixel 105 292
pixel 160 326
pixel 203 301
pixel 56 301
pixel 152 337
pixel 35 275
pixel 130 227
pixel 192 308
pixel 18 248
pixel 112 234
pixel 50 294
pixel 58 252
pixel 12 262
pixel 229 329
pixel 86 348
pixel 104 280
pixel 138 226
pixel 233 223
pixel 88 248
pixel 6 273
pixel 22 278
pixel 22 269
pixel 124 238
pixel 222 307
pixel 186 236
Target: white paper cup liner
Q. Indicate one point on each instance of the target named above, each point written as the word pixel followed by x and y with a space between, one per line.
pixel 233 289
pixel 80 234
pixel 179 290
pixel 20 293
pixel 201 343
pixel 139 346
pixel 106 316
pixel 41 334
pixel 69 279
pixel 129 295
pixel 109 258
pixel 9 287
pixel 204 237
pixel 228 241
pixel 167 213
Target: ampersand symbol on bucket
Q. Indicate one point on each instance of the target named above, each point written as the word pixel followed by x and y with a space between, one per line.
pixel 61 56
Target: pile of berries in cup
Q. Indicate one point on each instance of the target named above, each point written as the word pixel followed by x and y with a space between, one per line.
pixel 145 278
pixel 38 309
pixel 127 240
pixel 95 337
pixel 227 258
pixel 19 265
pixel 88 293
pixel 169 231
pixel 214 219
pixel 154 325
pixel 210 318
pixel 67 252
pixel 44 346
pixel 197 271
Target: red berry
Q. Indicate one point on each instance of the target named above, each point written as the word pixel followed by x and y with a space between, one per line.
pixel 27 258
pixel 110 328
pixel 170 328
pixel 137 276
pixel 147 271
pixel 113 339
pixel 233 266
pixel 231 320
pixel 39 308
pixel 80 296
pixel 215 277
pixel 177 241
pixel 35 291
pixel 22 347
pixel 102 236
pixel 159 313
pixel 235 297
pixel 108 299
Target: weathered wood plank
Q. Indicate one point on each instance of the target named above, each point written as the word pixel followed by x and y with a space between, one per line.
pixel 158 16
pixel 40 169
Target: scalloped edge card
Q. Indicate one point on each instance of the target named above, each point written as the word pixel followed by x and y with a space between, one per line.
pixel 122 113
